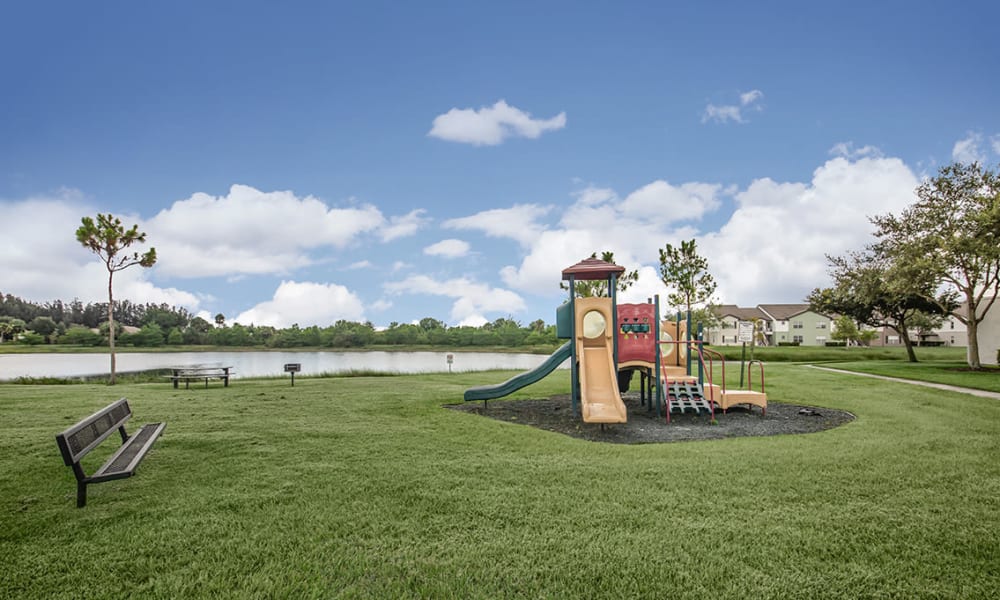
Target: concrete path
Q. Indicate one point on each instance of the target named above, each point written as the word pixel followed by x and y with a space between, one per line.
pixel 940 386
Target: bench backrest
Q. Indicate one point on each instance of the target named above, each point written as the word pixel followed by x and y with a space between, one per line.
pixel 83 437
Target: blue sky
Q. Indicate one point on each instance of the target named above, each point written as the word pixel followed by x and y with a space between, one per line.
pixel 308 162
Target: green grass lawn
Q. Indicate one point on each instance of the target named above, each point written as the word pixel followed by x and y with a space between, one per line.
pixel 818 354
pixel 365 487
pixel 949 372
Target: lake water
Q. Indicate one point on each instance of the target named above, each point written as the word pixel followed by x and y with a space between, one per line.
pixel 257 364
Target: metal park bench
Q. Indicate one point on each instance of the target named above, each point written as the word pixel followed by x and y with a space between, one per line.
pixel 77 441
pixel 187 374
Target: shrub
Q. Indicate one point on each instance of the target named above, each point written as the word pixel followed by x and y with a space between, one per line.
pixel 789 343
pixel 30 338
pixel 836 344
pixel 80 336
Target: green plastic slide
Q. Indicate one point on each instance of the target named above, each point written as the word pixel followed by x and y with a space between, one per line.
pixel 499 390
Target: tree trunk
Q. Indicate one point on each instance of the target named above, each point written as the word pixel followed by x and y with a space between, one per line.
pixel 972 354
pixel 905 336
pixel 111 326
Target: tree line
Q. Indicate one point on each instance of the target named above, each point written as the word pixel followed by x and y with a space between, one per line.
pixel 73 323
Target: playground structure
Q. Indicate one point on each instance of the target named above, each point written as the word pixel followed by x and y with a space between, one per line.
pixel 610 341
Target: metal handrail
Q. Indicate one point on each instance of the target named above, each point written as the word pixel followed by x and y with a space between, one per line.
pixel 699 344
pixel 711 364
pixel 760 363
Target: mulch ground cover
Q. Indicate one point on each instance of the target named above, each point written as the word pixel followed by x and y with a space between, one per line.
pixel 644 427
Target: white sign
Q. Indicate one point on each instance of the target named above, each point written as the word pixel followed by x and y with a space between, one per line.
pixel 744 333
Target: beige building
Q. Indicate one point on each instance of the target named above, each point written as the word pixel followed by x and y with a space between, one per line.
pixel 777 324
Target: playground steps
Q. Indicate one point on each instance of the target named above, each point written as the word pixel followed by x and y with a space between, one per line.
pixel 687 396
pixel 750 398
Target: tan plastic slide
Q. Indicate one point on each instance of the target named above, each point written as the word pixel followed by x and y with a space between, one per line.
pixel 600 400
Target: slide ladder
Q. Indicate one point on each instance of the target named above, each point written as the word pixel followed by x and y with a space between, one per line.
pixel 686 396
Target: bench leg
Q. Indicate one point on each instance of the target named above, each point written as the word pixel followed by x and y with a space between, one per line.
pixel 175 383
pixel 81 494
pixel 225 381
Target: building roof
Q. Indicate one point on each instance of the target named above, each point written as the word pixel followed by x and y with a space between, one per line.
pixel 783 312
pixel 743 314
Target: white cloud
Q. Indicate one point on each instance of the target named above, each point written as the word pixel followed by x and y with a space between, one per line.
pixel 307 304
pixel 733 112
pixel 751 97
pixel 473 321
pixel 490 126
pixel 404 225
pixel 995 144
pixel 450 248
pixel 773 247
pixel 519 222
pixel 41 266
pixel 967 150
pixel 689 201
pixel 361 264
pixel 599 221
pixel 472 298
pixel 721 114
pixel 847 150
pixel 252 232
pixel 592 195
pixel 381 305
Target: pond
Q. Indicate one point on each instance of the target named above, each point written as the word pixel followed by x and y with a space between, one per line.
pixel 259 364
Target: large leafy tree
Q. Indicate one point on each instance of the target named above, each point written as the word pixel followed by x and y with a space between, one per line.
pixel 863 290
pixel 108 239
pixel 950 236
pixel 686 273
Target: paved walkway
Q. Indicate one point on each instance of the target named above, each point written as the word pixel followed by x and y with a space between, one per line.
pixel 940 386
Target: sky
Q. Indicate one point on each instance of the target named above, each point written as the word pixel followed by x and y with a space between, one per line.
pixel 305 162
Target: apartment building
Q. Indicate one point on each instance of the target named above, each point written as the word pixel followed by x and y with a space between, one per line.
pixel 778 324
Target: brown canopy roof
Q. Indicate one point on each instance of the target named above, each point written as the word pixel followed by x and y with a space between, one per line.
pixel 591 269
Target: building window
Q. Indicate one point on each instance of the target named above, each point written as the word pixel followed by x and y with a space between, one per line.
pixel 952 323
pixel 797 338
pixel 796 324
pixel 820 339
pixel 821 325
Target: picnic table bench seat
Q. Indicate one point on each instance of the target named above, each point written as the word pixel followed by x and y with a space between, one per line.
pixel 188 374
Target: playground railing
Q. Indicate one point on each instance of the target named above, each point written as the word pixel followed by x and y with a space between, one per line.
pixel 712 354
pixel 709 371
pixel 760 364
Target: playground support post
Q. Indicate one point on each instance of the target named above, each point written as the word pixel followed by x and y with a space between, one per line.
pixel 701 363
pixel 743 359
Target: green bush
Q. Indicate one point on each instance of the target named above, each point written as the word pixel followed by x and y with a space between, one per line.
pixel 789 343
pixel 80 336
pixel 30 338
pixel 836 344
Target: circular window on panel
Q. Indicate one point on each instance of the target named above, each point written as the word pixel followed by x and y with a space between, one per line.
pixel 593 324
pixel 666 348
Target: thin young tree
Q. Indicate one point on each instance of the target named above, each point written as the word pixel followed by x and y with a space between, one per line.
pixel 108 239
pixel 686 273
